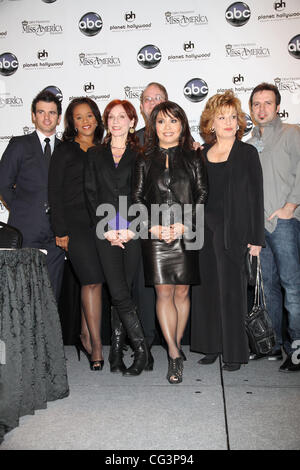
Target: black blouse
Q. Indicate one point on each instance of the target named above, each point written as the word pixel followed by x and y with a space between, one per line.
pixel 65 184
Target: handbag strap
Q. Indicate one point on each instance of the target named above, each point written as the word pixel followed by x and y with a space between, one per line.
pixel 259 298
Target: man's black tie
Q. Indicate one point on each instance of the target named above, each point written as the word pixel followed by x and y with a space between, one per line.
pixel 47 150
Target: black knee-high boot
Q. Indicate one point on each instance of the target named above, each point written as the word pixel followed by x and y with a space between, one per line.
pixel 117 343
pixel 134 331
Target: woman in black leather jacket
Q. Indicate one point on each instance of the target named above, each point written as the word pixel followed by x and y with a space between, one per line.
pixel 171 173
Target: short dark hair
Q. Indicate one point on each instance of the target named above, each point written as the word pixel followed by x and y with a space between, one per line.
pixel 70 132
pixel 48 97
pixel 168 108
pixel 159 85
pixel 266 86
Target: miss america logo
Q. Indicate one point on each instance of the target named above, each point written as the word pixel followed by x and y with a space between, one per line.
pixel 41 27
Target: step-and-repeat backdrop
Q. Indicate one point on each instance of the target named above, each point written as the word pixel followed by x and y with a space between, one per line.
pixel 107 50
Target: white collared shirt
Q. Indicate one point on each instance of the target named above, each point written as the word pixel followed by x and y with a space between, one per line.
pixel 42 138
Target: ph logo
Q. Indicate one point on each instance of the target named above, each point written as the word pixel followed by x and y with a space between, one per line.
pixel 129 16
pixel 283 114
pixel 249 124
pixel 238 79
pixel 42 55
pixel 238 14
pixel 195 90
pixel 149 56
pixel 8 64
pixel 294 47
pixel 55 90
pixel 90 24
pixel 88 87
pixel 188 46
pixel 278 6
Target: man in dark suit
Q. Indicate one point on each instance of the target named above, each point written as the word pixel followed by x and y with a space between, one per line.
pixel 24 183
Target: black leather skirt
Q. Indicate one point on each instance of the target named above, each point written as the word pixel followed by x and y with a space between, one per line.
pixel 169 263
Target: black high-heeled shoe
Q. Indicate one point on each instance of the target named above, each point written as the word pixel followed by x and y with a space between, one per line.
pixel 231 366
pixel 182 354
pixel 175 370
pixel 79 347
pixel 97 365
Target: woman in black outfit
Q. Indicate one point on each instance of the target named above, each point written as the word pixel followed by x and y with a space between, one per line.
pixel 170 173
pixel 108 181
pixel 70 219
pixel 234 222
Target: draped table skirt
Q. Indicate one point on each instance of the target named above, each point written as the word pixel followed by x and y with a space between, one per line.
pixel 32 359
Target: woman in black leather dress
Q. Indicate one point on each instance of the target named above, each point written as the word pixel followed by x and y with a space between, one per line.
pixel 108 183
pixel 171 173
pixel 70 218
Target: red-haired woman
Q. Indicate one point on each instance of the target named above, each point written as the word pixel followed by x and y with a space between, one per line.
pixel 108 176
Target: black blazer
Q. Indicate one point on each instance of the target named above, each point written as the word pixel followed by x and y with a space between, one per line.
pixel 104 183
pixel 24 187
pixel 243 199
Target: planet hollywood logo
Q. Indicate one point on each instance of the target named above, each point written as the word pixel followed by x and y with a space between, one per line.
pixel 294 47
pixel 249 125
pixel 195 90
pixel 97 60
pixel 184 18
pixel 279 14
pixel 12 101
pixel 42 62
pixel 8 64
pixel 283 114
pixel 90 24
pixel 189 54
pixel 133 92
pixel 246 51
pixel 238 14
pixel 130 24
pixel 55 90
pixel 149 56
pixel 89 89
pixel 40 28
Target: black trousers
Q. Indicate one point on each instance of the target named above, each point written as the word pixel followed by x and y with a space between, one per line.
pixel 119 267
pixel 145 299
pixel 219 304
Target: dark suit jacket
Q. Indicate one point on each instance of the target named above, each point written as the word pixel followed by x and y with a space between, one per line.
pixel 243 199
pixel 104 183
pixel 24 188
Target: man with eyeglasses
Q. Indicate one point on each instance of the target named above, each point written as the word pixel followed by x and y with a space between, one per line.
pixel 153 94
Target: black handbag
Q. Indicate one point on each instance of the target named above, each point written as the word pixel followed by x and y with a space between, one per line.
pixel 250 267
pixel 10 237
pixel 259 328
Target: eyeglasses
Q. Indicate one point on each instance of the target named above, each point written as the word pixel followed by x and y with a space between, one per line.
pixel 150 99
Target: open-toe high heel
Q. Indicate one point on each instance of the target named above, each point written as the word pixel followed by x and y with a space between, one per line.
pixel 97 365
pixel 175 370
pixel 80 347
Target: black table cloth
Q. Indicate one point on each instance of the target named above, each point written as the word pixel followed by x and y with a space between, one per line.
pixel 32 359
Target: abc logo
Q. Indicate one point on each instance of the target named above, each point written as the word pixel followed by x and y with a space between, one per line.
pixel 249 124
pixel 8 64
pixel 90 24
pixel 294 46
pixel 55 90
pixel 238 14
pixel 195 90
pixel 149 56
